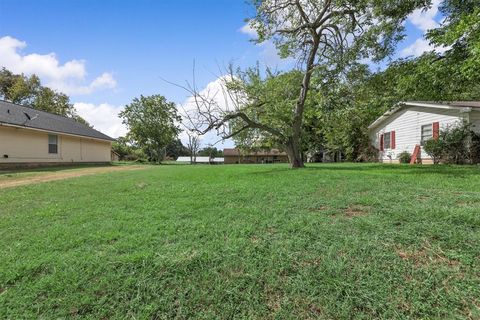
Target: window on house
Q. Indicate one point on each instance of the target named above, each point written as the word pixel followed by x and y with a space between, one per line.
pixel 427 133
pixel 386 140
pixel 52 143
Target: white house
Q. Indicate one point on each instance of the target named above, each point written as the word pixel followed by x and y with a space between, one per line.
pixel 409 124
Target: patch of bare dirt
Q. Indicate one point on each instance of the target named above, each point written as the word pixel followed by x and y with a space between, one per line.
pixel 426 256
pixel 356 211
pixel 273 300
pixel 62 175
pixel 321 208
pixel 423 198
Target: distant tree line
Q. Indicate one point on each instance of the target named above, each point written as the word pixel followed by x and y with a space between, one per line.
pixel 129 150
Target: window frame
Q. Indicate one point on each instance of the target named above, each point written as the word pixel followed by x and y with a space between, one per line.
pixel 385 146
pixel 422 135
pixel 52 145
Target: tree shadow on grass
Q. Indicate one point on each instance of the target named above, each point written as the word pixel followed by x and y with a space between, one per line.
pixel 453 170
pixel 456 170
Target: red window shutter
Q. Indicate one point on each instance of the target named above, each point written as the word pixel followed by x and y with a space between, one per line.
pixel 381 142
pixel 393 144
pixel 435 130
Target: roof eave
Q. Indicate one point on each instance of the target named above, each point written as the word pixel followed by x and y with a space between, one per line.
pixel 387 114
pixel 401 104
pixel 5 124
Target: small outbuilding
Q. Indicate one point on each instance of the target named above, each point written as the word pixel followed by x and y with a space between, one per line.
pixel 233 155
pixel 200 160
pixel 409 124
pixel 30 137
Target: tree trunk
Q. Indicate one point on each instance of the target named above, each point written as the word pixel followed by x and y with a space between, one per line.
pixel 294 154
pixel 293 144
pixel 161 154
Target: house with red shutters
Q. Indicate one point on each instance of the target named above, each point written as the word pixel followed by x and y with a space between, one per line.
pixel 409 124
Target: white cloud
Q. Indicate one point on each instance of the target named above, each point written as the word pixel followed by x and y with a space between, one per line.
pixel 269 53
pixel 419 47
pixel 104 81
pixel 103 117
pixel 217 96
pixel 248 30
pixel 69 77
pixel 425 19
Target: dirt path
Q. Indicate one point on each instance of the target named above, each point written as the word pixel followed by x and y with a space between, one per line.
pixel 61 175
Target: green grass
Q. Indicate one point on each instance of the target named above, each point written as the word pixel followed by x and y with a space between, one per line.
pixel 245 241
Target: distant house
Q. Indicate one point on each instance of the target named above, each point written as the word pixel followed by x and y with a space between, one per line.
pixel 407 126
pixel 233 155
pixel 200 159
pixel 30 137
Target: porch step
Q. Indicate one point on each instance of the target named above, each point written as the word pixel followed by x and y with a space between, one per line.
pixel 415 154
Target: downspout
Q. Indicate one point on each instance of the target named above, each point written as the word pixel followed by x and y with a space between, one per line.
pixel 467 112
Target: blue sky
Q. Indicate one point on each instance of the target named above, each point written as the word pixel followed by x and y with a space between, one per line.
pixel 105 53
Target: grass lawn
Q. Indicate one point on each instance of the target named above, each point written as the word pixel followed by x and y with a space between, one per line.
pixel 245 241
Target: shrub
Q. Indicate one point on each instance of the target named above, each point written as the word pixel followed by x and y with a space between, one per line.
pixel 435 149
pixel 404 157
pixel 367 154
pixel 456 142
pixel 475 148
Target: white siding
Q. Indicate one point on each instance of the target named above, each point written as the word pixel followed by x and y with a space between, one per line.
pixel 407 126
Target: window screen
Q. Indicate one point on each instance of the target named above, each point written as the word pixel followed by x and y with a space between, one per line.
pixel 52 143
pixel 427 133
pixel 386 140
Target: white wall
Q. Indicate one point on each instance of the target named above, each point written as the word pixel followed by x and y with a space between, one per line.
pixel 407 125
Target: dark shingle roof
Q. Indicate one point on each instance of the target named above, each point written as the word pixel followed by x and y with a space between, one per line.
pixel 28 117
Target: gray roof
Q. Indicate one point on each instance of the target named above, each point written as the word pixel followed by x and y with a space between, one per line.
pixel 14 114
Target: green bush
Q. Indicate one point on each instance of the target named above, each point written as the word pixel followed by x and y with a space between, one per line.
pixel 404 157
pixel 475 148
pixel 456 141
pixel 455 145
pixel 435 148
pixel 367 154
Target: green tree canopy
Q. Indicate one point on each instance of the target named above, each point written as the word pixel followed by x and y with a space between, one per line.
pixel 153 123
pixel 24 90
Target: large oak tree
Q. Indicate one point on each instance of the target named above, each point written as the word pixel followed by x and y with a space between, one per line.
pixel 325 37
